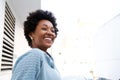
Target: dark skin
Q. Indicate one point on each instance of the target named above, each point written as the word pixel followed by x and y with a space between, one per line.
pixel 44 35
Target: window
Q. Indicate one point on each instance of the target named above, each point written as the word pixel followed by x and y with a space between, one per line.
pixel 8 40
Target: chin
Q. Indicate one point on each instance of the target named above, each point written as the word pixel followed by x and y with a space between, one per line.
pixel 48 46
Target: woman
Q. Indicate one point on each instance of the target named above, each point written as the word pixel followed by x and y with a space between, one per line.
pixel 40 31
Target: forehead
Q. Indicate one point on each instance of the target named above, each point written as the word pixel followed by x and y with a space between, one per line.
pixel 46 23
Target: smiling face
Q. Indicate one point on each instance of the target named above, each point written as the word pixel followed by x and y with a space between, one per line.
pixel 43 36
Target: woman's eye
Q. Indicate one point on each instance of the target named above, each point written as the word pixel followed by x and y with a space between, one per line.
pixel 44 28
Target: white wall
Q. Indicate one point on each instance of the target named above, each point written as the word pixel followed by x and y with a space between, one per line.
pixel 2 7
pixel 20 44
pixel 3 75
pixel 107 49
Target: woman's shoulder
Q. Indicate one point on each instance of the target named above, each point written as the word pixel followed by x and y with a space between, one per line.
pixel 33 54
pixel 36 52
pixel 28 63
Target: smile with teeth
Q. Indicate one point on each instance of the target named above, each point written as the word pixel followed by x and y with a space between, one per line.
pixel 48 39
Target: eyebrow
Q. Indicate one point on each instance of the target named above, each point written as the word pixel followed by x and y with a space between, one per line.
pixel 47 26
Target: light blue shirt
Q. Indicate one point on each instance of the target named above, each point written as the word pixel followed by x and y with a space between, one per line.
pixel 35 65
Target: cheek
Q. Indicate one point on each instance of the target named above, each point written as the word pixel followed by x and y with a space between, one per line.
pixel 38 39
pixel 55 35
pixel 54 38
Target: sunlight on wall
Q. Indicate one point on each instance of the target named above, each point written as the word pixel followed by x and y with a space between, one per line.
pixel 78 21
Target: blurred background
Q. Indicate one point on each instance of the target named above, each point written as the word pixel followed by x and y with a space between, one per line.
pixel 88 42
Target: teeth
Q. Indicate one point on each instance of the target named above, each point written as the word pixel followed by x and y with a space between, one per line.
pixel 48 38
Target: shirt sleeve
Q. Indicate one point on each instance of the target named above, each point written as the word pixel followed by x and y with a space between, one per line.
pixel 26 67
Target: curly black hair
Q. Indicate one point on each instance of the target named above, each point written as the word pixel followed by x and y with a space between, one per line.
pixel 33 19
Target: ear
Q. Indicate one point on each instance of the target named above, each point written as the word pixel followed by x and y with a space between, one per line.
pixel 31 35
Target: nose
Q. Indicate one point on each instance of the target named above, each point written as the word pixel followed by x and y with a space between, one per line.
pixel 49 32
